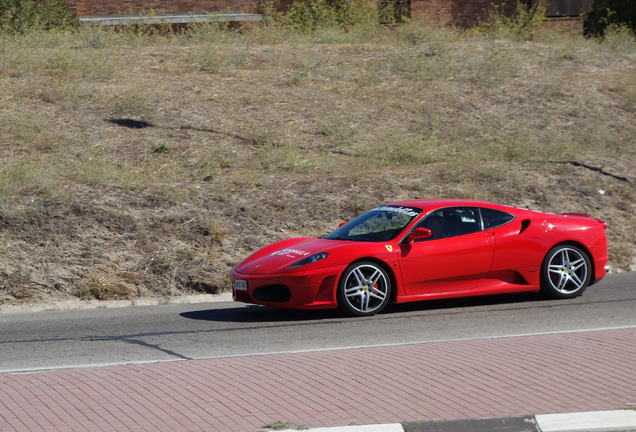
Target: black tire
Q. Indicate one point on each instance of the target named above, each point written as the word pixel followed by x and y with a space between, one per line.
pixel 364 289
pixel 566 272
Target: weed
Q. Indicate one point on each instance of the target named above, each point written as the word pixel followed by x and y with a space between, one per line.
pixel 187 255
pixel 300 78
pixel 397 149
pixel 96 37
pixel 619 38
pixel 430 63
pixel 164 149
pixel 335 126
pixel 277 425
pixel 489 69
pixel 133 103
pixel 311 15
pixel 524 24
pixel 206 58
pixel 625 86
pixel 211 227
pixel 100 291
pixel 72 63
pixel 17 16
pixel 416 33
pixel 5 248
pixel 218 33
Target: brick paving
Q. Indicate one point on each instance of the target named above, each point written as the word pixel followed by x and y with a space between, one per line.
pixel 543 374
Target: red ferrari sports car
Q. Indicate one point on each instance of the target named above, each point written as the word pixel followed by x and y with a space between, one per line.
pixel 427 249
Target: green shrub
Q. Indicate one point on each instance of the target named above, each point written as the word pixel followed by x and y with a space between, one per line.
pixel 522 25
pixel 417 33
pixel 310 15
pixel 618 38
pixel 609 14
pixel 18 16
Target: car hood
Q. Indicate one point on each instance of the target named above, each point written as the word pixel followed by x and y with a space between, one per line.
pixel 276 258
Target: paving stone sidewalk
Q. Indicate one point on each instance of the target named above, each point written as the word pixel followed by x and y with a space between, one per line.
pixel 514 376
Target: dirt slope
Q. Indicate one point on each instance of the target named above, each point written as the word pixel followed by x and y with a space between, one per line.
pixel 151 170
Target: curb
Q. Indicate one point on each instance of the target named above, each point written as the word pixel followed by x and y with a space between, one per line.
pixel 618 420
pixel 77 304
pixel 595 421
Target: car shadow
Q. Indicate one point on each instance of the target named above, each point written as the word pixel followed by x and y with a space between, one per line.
pixel 266 314
pixel 503 300
pixel 261 314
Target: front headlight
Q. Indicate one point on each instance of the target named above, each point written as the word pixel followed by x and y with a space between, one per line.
pixel 310 259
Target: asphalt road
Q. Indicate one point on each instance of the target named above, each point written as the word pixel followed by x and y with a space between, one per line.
pixel 44 340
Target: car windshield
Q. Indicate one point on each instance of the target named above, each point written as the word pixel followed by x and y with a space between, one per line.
pixel 380 224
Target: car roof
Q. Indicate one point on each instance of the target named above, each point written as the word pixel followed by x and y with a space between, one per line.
pixel 428 205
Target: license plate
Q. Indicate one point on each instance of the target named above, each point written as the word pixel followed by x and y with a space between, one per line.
pixel 240 285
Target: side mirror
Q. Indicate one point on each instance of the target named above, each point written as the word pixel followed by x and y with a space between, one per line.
pixel 418 233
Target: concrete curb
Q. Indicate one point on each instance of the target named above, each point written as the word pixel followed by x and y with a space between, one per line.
pixel 619 420
pixel 596 421
pixel 77 304
pixel 389 427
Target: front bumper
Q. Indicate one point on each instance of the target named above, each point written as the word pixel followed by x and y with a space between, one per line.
pixel 306 290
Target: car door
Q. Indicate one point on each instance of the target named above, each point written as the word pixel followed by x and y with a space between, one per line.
pixel 455 257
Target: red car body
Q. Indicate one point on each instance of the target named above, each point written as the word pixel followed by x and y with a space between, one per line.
pixel 409 252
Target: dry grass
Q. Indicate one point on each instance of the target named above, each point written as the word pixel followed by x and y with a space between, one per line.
pixel 252 137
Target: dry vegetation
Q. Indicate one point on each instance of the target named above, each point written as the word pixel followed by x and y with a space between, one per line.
pixel 135 164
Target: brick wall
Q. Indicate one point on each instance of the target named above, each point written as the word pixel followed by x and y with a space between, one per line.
pixel 568 25
pixel 115 7
pixel 456 12
pixel 442 12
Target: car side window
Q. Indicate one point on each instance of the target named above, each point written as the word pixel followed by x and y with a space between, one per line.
pixel 494 218
pixel 451 222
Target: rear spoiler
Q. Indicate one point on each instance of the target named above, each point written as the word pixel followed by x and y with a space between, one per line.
pixel 584 216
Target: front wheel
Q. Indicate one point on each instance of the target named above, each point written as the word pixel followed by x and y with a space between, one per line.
pixel 364 289
pixel 566 272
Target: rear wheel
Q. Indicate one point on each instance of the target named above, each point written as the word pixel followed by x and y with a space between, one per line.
pixel 566 272
pixel 364 289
